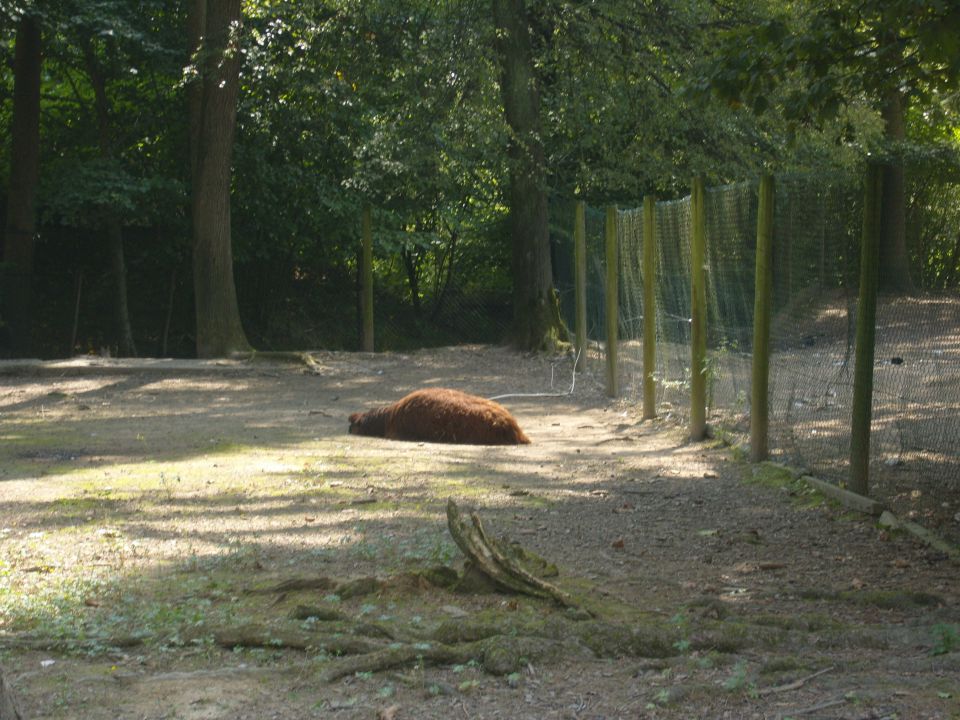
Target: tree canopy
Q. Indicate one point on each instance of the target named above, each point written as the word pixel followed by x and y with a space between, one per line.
pixel 397 105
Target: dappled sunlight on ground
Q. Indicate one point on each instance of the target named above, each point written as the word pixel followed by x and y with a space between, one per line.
pixel 151 509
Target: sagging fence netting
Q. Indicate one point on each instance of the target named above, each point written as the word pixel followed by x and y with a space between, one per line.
pixel 915 433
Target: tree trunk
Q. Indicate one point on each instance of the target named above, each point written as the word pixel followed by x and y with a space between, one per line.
pixel 413 277
pixel 894 257
pixel 444 275
pixel 219 331
pixel 121 306
pixel 17 309
pixel 114 228
pixel 536 321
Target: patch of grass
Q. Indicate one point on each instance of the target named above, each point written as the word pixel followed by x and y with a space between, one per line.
pixel 82 505
pixel 739 679
pixel 682 624
pixel 785 664
pixel 375 506
pixel 88 611
pixel 787 480
pixel 57 609
pixel 771 475
pixel 807 622
pixel 946 639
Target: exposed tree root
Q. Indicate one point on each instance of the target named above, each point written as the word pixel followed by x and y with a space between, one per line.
pixel 295 585
pixel 498 647
pixel 37 642
pixel 259 636
pixel 358 587
pixel 397 656
pixel 503 642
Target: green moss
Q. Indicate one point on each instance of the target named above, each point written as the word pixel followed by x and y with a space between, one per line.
pixel 770 475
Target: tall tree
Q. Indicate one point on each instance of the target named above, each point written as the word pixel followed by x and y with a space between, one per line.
pixel 114 228
pixel 24 172
pixel 214 27
pixel 536 321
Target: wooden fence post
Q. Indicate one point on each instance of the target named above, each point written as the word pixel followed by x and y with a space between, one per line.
pixel 366 290
pixel 649 307
pixel 866 332
pixel 698 313
pixel 612 300
pixel 763 297
pixel 580 282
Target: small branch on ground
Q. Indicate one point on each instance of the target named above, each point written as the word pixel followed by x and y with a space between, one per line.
pixel 795 685
pixel 814 708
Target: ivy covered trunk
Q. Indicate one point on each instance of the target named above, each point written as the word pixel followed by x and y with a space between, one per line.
pixel 17 309
pixel 219 331
pixel 536 312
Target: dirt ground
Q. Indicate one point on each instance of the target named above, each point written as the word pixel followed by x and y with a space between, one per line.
pixel 142 501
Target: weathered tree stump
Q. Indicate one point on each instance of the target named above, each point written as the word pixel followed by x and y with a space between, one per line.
pixel 497 562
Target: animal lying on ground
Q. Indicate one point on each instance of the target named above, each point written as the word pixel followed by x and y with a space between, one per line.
pixel 443 416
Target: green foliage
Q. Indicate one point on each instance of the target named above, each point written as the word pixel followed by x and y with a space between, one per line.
pixel 739 679
pixel 84 192
pixel 396 104
pixel 831 54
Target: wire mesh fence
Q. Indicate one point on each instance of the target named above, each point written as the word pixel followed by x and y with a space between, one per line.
pixel 915 432
pixel 457 291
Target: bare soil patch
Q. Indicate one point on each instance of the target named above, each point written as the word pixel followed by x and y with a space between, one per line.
pixel 141 502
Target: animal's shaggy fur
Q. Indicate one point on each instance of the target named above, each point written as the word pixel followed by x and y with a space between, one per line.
pixel 443 416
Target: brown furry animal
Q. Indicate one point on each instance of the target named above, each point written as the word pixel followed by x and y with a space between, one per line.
pixel 443 416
